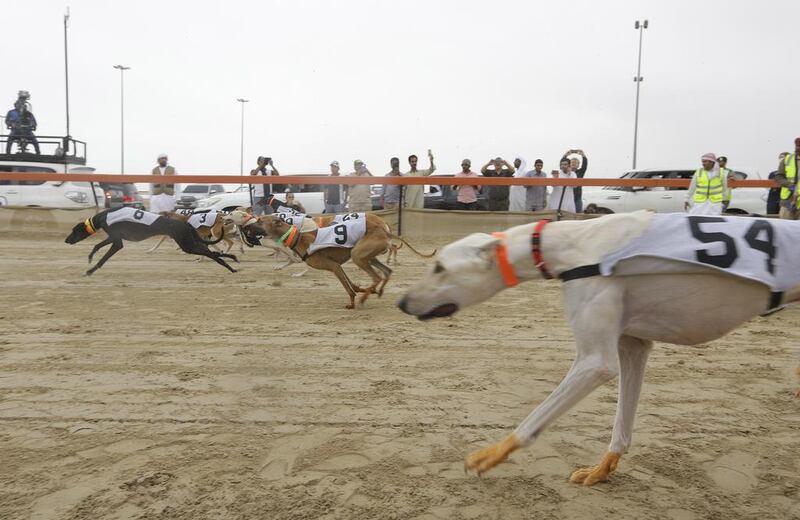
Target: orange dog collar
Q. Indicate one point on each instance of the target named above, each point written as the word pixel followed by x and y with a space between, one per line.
pixel 506 269
pixel 87 224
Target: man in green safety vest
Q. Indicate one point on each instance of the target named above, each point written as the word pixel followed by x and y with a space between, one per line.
pixel 787 178
pixel 708 188
pixel 727 172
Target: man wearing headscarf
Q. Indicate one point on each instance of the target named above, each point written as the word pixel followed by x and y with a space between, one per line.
pixel 517 194
pixel 787 178
pixel 413 196
pixel 708 188
pixel 359 196
pixel 162 196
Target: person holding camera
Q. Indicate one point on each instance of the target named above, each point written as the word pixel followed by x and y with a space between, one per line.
pixel 579 169
pixel 497 195
pixel 259 192
pixel 21 123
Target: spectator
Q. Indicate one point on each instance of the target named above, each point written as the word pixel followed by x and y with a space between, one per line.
pixel 707 189
pixel 390 193
pixel 517 194
pixel 536 196
pixel 497 195
pixel 580 171
pixel 414 197
pixel 722 161
pixel 359 197
pixel 774 195
pixel 563 197
pixel 21 123
pixel 467 194
pixel 292 203
pixel 260 191
pixel 787 178
pixel 334 193
pixel 162 196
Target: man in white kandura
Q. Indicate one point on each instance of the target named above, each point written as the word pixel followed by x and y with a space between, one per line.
pixel 708 188
pixel 162 196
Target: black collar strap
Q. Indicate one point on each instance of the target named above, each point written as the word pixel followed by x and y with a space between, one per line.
pixel 584 271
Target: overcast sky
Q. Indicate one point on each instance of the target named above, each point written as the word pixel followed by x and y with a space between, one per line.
pixel 374 79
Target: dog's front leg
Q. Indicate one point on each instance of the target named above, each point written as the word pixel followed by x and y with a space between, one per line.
pixel 97 247
pixel 633 354
pixel 116 245
pixel 594 311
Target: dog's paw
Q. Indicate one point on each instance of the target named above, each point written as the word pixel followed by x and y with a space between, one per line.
pixel 593 475
pixel 483 460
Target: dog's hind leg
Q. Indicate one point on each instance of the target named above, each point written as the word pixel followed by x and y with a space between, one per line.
pixel 595 309
pixel 633 353
pixel 97 247
pixel 387 273
pixel 116 245
pixel 366 265
pixel 193 247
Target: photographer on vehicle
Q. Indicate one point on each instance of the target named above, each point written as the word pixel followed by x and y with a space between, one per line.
pixel 21 123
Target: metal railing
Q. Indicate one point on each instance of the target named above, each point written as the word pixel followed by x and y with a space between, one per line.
pixel 55 149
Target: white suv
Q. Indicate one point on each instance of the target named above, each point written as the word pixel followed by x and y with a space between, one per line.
pixel 621 199
pixel 313 201
pixel 47 194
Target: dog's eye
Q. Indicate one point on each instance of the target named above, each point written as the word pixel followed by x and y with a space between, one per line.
pixel 438 268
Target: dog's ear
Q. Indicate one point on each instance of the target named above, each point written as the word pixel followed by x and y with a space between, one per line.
pixel 488 250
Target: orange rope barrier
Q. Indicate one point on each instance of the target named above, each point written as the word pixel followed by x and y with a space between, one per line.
pixel 346 180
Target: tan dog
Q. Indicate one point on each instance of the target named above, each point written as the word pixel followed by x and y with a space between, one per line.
pixel 376 241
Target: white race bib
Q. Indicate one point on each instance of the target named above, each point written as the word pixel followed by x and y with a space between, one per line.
pixel 138 216
pixel 294 218
pixel 763 250
pixel 346 233
pixel 205 218
pixel 348 216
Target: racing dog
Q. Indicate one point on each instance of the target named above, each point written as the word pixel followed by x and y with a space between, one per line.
pixel 629 280
pixel 358 236
pixel 136 225
pixel 210 225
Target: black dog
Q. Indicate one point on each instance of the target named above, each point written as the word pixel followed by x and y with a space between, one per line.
pixel 137 225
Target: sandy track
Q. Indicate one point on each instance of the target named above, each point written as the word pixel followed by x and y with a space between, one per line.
pixel 165 388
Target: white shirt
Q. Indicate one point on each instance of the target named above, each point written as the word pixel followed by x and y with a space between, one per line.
pixel 568 203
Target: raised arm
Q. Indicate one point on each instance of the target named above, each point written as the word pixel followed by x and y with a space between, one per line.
pixel 584 164
pixel 432 167
pixel 485 168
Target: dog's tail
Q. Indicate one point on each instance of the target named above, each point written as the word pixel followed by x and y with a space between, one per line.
pixel 217 241
pixel 403 241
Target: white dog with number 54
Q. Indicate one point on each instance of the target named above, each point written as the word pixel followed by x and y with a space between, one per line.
pixel 629 280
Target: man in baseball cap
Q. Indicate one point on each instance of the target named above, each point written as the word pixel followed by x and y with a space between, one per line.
pixel 334 193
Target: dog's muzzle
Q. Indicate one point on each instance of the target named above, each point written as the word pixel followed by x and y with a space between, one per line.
pixel 442 311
